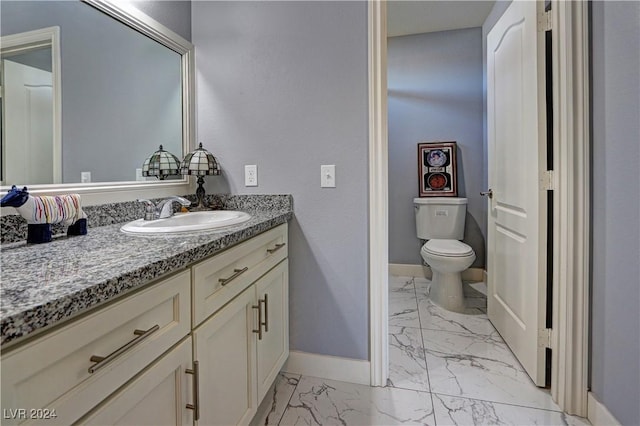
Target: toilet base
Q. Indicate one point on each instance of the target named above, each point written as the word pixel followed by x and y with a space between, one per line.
pixel 446 291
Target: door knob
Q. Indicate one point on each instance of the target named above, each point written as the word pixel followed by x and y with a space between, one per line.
pixel 488 193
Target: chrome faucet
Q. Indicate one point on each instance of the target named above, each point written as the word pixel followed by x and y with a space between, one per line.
pixel 165 206
pixel 163 209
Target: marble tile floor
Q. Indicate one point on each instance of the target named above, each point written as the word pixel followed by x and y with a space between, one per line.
pixel 445 369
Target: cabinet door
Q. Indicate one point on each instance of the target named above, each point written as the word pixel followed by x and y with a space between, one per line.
pixel 273 349
pixel 156 397
pixel 225 349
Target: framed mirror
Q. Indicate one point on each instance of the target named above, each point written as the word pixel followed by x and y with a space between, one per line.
pixel 106 85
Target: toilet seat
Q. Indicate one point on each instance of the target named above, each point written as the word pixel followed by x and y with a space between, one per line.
pixel 447 248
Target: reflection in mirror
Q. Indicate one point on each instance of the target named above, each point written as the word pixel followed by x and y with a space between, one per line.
pixel 124 91
pixel 30 107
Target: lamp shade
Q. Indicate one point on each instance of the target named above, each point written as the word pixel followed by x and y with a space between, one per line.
pixel 199 162
pixel 161 164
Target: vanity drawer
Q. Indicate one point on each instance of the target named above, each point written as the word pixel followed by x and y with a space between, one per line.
pixel 53 372
pixel 218 280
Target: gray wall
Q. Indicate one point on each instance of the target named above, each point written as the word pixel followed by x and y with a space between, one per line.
pixel 283 85
pixel 175 15
pixel 121 94
pixel 40 58
pixel 435 94
pixel 615 345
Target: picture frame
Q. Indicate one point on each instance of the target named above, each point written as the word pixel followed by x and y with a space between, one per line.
pixel 437 169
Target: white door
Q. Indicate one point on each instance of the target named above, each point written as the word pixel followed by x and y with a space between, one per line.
pixel 516 260
pixel 28 123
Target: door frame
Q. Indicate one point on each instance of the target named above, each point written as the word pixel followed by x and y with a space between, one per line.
pixel 571 241
pixel 378 194
pixel 570 53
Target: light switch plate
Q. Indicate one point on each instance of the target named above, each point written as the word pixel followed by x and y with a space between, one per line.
pixel 328 176
pixel 85 177
pixel 251 175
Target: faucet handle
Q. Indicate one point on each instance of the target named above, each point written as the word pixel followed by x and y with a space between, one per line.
pixel 149 209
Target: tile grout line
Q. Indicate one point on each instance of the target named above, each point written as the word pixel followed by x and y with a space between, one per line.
pixel 496 402
pixel 289 401
pixel 424 353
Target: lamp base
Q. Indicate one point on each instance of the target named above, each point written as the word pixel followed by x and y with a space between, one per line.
pixel 202 205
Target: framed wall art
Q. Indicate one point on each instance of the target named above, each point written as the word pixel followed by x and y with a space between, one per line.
pixel 437 169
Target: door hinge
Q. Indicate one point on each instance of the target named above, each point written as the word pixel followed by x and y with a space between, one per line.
pixel 547 181
pixel 544 338
pixel 544 21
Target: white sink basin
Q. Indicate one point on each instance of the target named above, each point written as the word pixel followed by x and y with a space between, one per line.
pixel 187 222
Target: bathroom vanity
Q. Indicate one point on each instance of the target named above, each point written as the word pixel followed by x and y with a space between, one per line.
pixel 110 328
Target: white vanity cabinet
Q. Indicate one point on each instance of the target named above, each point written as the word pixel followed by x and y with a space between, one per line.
pixel 242 346
pixel 68 371
pixel 200 347
pixel 241 349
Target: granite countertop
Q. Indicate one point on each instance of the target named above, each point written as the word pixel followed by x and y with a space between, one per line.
pixel 45 284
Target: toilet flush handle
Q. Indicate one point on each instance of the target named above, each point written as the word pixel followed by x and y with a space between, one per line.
pixel 488 193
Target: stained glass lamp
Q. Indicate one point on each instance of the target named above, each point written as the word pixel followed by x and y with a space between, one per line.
pixel 200 163
pixel 161 164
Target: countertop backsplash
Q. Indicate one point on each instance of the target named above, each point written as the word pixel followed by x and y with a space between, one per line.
pixel 13 228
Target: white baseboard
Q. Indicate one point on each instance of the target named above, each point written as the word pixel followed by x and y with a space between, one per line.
pixel 473 274
pixel 329 367
pixel 598 414
pixel 408 270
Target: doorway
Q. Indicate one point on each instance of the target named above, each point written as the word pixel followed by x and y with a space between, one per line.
pixel 568 392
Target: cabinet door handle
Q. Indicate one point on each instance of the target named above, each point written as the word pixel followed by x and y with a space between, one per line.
pixel 259 308
pixel 266 313
pixel 237 273
pixel 101 361
pixel 196 389
pixel 276 248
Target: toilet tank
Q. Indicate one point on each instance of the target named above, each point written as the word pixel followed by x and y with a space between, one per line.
pixel 440 217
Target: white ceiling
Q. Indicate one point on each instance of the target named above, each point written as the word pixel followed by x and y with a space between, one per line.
pixel 426 16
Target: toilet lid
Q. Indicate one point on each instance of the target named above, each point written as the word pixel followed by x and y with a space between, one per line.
pixel 447 248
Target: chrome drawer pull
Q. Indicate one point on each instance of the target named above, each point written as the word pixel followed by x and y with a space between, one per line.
pixel 276 248
pixel 237 273
pixel 101 361
pixel 266 313
pixel 259 308
pixel 196 389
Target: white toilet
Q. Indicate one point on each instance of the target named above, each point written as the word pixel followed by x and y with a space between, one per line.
pixel 440 220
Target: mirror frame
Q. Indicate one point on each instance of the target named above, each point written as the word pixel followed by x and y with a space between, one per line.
pixel 99 192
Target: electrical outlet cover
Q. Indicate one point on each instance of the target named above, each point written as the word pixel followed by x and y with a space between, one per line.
pixel 251 175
